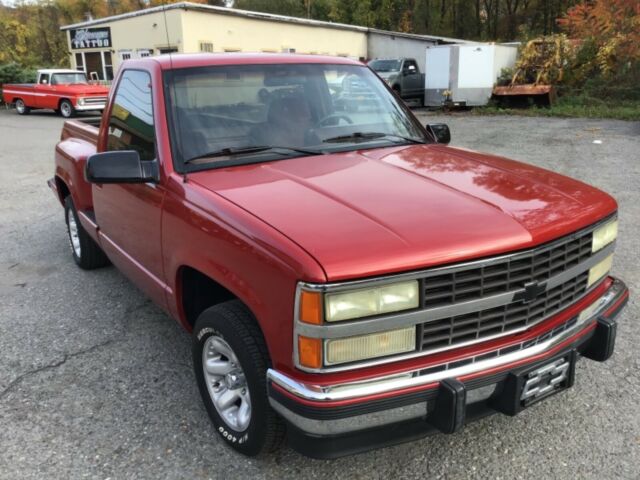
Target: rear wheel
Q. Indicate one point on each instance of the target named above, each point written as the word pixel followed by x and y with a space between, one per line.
pixel 86 252
pixel 66 109
pixel 230 360
pixel 21 108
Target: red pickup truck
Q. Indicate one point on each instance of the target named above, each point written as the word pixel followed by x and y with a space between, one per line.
pixel 65 91
pixel 347 276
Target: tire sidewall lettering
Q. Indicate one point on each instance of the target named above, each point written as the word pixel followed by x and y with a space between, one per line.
pixel 231 437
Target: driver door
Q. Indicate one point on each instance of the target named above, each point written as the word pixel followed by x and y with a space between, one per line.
pixel 42 88
pixel 128 215
pixel 411 81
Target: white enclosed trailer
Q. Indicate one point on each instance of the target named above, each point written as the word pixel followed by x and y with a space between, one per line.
pixel 467 72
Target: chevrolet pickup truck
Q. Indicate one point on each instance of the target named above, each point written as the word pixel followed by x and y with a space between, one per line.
pixel 65 91
pixel 347 277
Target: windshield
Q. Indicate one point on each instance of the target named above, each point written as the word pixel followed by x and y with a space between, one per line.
pixel 68 78
pixel 385 65
pixel 230 115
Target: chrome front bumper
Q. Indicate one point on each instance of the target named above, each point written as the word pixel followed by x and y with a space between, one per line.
pixel 329 410
pixel 87 108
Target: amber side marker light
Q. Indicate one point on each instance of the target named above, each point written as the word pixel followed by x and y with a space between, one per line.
pixel 310 352
pixel 310 307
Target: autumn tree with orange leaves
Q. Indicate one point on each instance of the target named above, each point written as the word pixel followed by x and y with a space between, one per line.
pixel 609 27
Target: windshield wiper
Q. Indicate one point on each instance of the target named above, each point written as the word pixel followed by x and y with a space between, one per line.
pixel 366 136
pixel 232 151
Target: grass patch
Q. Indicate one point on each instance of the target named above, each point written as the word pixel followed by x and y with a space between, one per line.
pixel 573 106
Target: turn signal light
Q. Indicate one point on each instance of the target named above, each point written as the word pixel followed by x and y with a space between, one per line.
pixel 310 307
pixel 310 352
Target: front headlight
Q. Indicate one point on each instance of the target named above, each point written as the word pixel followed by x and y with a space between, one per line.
pixel 604 235
pixel 599 270
pixel 316 308
pixel 371 301
pixel 363 347
pixel 81 101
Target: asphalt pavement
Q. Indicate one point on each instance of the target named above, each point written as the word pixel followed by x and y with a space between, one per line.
pixel 96 382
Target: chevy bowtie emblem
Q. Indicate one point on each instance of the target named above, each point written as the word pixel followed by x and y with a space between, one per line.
pixel 531 291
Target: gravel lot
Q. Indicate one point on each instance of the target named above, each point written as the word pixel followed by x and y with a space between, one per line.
pixel 96 382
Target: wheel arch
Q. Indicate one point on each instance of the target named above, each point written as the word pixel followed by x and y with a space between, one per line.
pixel 196 291
pixel 63 190
pixel 63 99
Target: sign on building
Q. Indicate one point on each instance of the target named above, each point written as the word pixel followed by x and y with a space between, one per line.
pixel 90 38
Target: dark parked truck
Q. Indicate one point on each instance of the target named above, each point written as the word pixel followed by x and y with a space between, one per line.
pixel 402 75
pixel 346 277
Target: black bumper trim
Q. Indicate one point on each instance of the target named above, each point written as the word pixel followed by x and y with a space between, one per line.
pixel 449 407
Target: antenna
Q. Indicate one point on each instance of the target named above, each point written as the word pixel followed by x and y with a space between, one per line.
pixel 166 30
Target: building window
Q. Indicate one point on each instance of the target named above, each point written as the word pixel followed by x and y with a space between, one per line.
pixel 288 50
pixel 108 66
pixel 232 49
pixel 168 50
pixel 206 47
pixel 144 52
pixel 79 62
pixel 125 55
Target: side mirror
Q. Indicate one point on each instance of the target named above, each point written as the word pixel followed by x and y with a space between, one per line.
pixel 440 132
pixel 120 166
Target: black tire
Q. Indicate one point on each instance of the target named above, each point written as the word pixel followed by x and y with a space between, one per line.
pixel 89 255
pixel 21 108
pixel 234 323
pixel 66 109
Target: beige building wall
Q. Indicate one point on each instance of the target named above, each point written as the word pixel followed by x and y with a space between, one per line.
pixel 246 34
pixel 134 35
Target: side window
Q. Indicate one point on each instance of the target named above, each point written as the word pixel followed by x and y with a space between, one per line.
pixel 44 79
pixel 131 120
pixel 410 66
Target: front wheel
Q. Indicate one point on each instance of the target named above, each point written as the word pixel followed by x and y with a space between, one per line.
pixel 230 360
pixel 66 109
pixel 21 108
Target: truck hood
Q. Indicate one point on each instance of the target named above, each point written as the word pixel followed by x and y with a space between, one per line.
pixel 388 75
pixel 81 89
pixel 373 212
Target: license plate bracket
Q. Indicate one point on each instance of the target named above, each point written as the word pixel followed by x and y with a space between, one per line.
pixel 524 387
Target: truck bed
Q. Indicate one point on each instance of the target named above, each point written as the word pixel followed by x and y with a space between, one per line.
pixel 86 129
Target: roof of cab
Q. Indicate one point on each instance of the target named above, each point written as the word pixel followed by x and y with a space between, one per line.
pixel 58 70
pixel 187 60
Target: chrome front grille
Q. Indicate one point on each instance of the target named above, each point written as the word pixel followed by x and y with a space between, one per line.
pixel 454 286
pixel 492 322
pixel 510 274
pixel 95 100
